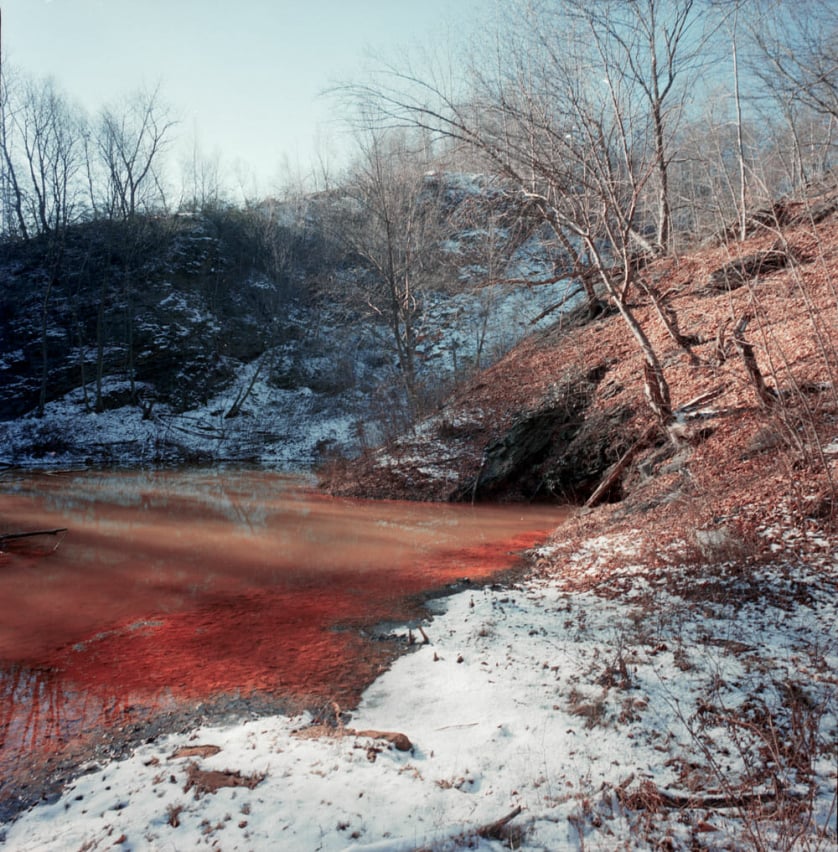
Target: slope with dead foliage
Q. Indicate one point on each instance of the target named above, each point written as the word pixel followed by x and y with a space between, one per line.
pixel 737 450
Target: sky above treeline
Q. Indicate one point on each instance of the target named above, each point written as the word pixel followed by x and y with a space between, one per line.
pixel 244 77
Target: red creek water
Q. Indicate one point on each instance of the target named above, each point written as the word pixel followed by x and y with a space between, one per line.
pixel 172 590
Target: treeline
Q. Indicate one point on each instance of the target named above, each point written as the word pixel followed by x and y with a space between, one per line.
pixel 698 109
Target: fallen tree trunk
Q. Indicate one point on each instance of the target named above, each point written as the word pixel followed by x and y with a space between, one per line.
pixel 737 272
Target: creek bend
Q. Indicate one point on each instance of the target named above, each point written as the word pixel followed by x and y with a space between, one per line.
pixel 173 589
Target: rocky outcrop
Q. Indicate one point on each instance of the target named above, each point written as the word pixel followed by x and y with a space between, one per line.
pixel 557 452
pixel 737 272
pixel 514 462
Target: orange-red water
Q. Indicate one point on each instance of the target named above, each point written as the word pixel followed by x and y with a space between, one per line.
pixel 172 588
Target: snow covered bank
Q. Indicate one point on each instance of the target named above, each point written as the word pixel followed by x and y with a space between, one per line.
pixel 651 707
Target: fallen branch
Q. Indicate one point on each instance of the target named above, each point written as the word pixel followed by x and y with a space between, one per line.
pixel 648 796
pixel 556 305
pixel 412 641
pixel 691 407
pixel 617 469
pixel 9 538
pixel 491 831
pixel 494 830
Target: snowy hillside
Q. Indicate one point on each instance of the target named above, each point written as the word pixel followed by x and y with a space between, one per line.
pixel 188 341
pixel 285 428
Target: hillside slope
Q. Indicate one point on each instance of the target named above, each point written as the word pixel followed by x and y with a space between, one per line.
pixel 710 564
pixel 250 335
pixel 573 395
pixel 665 674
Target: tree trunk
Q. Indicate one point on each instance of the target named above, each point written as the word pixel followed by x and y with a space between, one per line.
pixel 42 396
pixel 655 385
pixel 765 395
pixel 664 234
pixel 740 143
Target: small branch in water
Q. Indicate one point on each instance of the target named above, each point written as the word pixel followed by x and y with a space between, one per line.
pixel 11 536
pixel 31 534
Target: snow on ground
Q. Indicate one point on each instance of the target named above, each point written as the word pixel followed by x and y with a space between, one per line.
pixel 660 711
pixel 280 428
pixel 478 327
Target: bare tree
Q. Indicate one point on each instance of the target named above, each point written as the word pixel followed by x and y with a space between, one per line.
pixel 716 153
pixel 201 180
pixel 797 51
pixel 490 226
pixel 394 228
pixel 51 134
pixel 740 140
pixel 557 116
pixel 658 45
pixel 14 218
pixel 131 142
pixel 43 156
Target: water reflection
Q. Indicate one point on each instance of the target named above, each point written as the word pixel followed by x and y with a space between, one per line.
pixel 40 713
pixel 173 587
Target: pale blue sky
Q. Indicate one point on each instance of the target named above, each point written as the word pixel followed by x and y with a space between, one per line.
pixel 244 75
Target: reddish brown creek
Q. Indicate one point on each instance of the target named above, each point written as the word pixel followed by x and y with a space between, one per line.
pixel 172 592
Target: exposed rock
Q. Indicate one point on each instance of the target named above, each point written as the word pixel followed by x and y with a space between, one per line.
pixel 559 451
pixel 577 469
pixel 511 463
pixel 733 275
